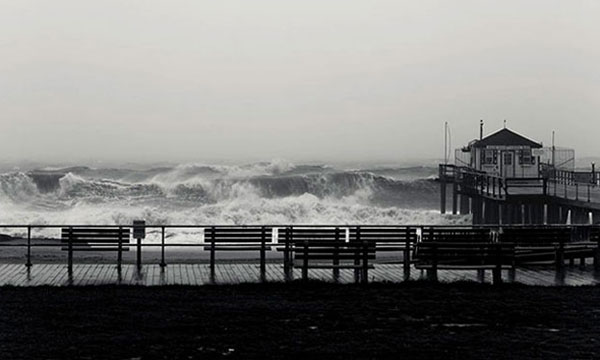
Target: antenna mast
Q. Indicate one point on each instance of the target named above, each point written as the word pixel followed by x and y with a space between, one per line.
pixel 553 150
pixel 446 143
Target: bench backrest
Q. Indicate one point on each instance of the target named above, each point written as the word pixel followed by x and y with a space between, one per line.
pixel 329 251
pixel 467 254
pixel 384 235
pixel 242 234
pixel 456 234
pixel 325 245
pixel 95 239
pixel 535 236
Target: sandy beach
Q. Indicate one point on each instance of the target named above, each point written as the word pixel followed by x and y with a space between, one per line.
pixel 276 321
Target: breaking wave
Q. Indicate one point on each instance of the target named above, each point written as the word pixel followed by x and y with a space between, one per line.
pixel 263 193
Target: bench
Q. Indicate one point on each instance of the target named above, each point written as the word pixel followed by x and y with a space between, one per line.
pixel 456 234
pixel 388 239
pixel 325 248
pixel 544 244
pixel 463 248
pixel 94 239
pixel 434 255
pixel 238 238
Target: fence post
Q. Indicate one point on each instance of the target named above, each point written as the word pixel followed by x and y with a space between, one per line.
pixel 287 268
pixel 139 255
pixel 434 262
pixel 305 262
pixel 336 255
pixel 560 255
pixel 576 191
pixel 212 254
pixel 162 248
pixel 365 264
pixel 597 256
pixel 70 255
pixel 588 192
pixel 357 256
pixel 28 264
pixel 119 251
pixel 263 266
pixel 497 272
pixel 406 262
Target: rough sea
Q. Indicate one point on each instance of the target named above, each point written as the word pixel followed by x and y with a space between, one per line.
pixel 270 193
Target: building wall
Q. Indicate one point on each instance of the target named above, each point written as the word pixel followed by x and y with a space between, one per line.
pixel 507 161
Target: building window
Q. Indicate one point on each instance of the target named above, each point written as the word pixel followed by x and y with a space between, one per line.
pixel 508 158
pixel 525 157
pixel 490 157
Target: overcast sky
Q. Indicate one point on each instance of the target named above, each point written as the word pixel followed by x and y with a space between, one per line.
pixel 302 80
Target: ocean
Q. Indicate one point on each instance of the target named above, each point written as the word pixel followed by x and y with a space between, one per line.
pixel 273 193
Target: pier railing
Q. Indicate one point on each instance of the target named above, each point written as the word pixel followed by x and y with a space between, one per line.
pixel 569 185
pixel 277 237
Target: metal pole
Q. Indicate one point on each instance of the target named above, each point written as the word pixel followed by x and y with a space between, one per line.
pixel 70 258
pixel 28 264
pixel 139 254
pixel 162 249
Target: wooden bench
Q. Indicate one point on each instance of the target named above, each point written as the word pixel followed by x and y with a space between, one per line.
pixel 540 244
pixel 238 238
pixel 388 239
pixel 434 255
pixel 456 234
pixel 95 239
pixel 325 248
pixel 463 248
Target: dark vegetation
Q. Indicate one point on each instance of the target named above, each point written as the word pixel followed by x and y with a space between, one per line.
pixel 315 320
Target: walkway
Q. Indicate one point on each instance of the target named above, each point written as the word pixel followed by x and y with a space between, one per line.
pixel 199 274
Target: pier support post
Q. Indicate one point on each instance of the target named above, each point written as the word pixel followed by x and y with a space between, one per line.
pixel 477 209
pixel 454 198
pixel 597 256
pixel 538 211
pixel 564 214
pixel 464 205
pixel 501 215
pixel 553 214
pixel 442 177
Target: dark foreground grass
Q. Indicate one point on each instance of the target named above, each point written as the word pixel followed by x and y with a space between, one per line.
pixel 416 320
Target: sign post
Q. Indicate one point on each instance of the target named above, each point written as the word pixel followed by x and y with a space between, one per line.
pixel 139 233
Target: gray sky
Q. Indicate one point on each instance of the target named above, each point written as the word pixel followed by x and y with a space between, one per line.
pixel 302 80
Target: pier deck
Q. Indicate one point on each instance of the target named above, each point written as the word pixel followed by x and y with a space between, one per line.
pixel 199 274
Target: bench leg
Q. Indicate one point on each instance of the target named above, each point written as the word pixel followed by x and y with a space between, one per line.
pixel 432 274
pixel 481 275
pixel 497 275
pixel 582 263
pixel 212 262
pixel 597 258
pixel 305 272
pixel 406 264
pixel 263 266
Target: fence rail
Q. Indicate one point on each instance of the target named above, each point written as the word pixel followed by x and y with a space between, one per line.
pixel 280 238
pixel 569 185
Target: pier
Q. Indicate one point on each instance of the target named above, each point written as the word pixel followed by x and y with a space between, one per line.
pixel 507 179
pixel 555 197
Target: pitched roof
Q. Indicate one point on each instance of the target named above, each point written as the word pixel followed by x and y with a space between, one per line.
pixel 506 137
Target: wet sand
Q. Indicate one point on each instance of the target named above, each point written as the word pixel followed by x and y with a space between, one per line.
pixel 314 320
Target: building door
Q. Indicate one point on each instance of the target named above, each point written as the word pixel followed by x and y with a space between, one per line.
pixel 508 164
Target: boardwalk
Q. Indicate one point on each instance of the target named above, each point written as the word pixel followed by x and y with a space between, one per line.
pixel 199 274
